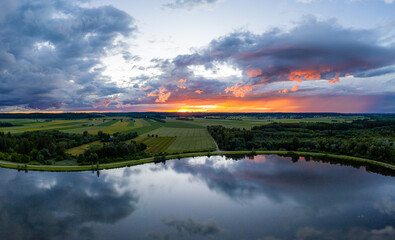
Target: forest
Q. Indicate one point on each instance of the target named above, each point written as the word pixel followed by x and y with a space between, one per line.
pixel 360 138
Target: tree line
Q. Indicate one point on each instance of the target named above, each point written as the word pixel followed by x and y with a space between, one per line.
pixel 45 147
pixel 360 138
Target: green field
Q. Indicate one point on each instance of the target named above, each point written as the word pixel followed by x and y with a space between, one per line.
pixel 187 139
pixel 249 122
pixel 156 144
pixel 40 125
pixel 80 149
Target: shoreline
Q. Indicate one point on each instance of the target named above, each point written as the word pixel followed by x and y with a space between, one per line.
pixel 72 168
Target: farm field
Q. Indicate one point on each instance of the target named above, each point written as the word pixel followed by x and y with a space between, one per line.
pixel 39 125
pixel 80 149
pixel 118 125
pixel 187 139
pixel 156 144
pixel 249 122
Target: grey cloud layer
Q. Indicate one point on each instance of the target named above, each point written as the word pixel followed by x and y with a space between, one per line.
pixel 45 44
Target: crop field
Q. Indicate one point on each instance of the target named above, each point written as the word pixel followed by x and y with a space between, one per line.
pixel 250 122
pixel 181 124
pixel 40 125
pixel 109 126
pixel 80 149
pixel 156 144
pixel 131 123
pixel 187 139
pixel 107 123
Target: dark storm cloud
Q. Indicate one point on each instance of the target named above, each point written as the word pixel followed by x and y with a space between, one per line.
pixel 49 51
pixel 188 4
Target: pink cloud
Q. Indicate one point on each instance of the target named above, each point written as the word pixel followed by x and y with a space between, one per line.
pixel 239 91
pixel 254 72
pixel 283 91
pixel 295 88
pixel 336 78
pixel 106 102
pixel 162 94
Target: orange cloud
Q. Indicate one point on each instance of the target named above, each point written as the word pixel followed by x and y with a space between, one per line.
pixel 182 80
pixel 162 94
pixel 254 72
pixel 336 78
pixel 295 88
pixel 106 102
pixel 283 91
pixel 300 75
pixel 239 91
pixel 198 92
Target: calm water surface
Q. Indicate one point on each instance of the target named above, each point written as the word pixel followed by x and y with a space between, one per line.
pixel 268 197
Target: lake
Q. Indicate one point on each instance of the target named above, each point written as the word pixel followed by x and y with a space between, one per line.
pixel 266 197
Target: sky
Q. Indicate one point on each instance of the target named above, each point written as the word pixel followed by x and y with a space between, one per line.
pixel 197 55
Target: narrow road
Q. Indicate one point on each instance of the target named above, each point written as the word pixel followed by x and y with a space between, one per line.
pixel 216 145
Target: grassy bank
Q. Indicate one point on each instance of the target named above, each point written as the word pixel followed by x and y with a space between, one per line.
pixel 184 155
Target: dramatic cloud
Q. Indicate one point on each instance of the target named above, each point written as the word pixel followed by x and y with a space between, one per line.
pixel 311 51
pixel 51 52
pixel 54 55
pixel 189 4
